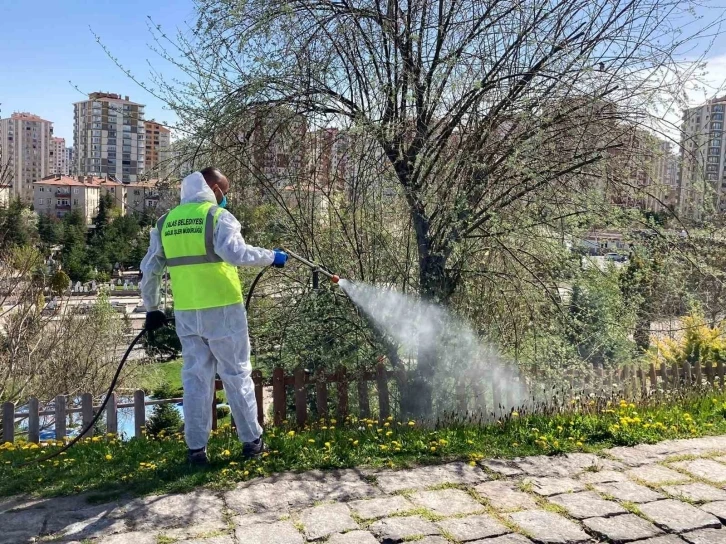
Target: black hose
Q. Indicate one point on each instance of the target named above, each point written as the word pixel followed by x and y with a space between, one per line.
pixel 252 288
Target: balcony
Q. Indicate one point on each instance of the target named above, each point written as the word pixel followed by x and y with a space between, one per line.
pixel 62 206
pixel 63 194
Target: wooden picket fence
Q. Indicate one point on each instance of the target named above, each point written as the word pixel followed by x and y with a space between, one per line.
pixel 637 382
pixel 60 413
pixel 301 381
pixel 472 396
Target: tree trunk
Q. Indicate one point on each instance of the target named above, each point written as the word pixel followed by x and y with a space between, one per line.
pixel 641 335
pixel 436 287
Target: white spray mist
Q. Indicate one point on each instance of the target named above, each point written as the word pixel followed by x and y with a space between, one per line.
pixel 465 365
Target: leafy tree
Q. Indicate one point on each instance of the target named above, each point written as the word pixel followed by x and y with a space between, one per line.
pixel 105 206
pixel 16 226
pixel 599 321
pixel 59 282
pixel 50 229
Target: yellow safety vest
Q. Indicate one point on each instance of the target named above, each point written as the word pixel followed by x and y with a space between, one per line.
pixel 199 277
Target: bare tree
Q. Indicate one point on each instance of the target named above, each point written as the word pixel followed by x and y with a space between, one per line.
pixel 498 120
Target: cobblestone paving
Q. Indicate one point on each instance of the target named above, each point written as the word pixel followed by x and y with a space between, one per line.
pixel 668 493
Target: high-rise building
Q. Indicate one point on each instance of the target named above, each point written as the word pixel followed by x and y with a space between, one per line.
pixel 68 153
pixel 109 136
pixel 25 147
pixel 702 180
pixel 58 158
pixel 158 150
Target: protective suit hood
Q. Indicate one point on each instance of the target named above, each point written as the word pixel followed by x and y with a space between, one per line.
pixel 195 189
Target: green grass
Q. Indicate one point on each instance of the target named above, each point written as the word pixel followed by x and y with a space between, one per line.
pixel 154 374
pixel 107 465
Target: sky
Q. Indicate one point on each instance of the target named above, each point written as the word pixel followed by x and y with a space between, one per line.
pixel 47 48
pixel 48 54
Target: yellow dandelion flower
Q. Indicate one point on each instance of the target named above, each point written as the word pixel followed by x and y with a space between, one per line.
pixel 389 433
pixel 291 434
pixel 109 457
pixel 355 442
pixel 311 441
pixel 411 423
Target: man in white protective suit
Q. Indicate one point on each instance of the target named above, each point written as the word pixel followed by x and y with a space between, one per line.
pixel 201 245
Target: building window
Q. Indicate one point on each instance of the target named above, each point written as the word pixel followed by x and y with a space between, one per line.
pixel 40 201
pixel 75 202
pixel 75 190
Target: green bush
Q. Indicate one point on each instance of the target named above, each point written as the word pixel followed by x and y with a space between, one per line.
pixel 166 391
pixel 59 282
pixel 165 419
pixel 222 411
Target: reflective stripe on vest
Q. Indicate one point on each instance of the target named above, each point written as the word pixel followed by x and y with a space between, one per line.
pixel 210 256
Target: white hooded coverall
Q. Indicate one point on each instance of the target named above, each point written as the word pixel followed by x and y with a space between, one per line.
pixel 214 340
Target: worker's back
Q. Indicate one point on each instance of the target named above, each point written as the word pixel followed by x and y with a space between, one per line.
pixel 200 278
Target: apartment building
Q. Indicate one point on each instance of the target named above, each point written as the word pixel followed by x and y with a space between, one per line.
pixel 109 137
pixel 702 179
pixel 149 195
pixel 158 150
pixel 6 192
pixel 58 195
pixel 25 151
pixel 68 153
pixel 58 157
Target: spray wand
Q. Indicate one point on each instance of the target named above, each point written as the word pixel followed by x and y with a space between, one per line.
pixel 316 267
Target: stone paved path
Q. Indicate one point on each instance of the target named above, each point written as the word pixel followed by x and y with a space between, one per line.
pixel 668 493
